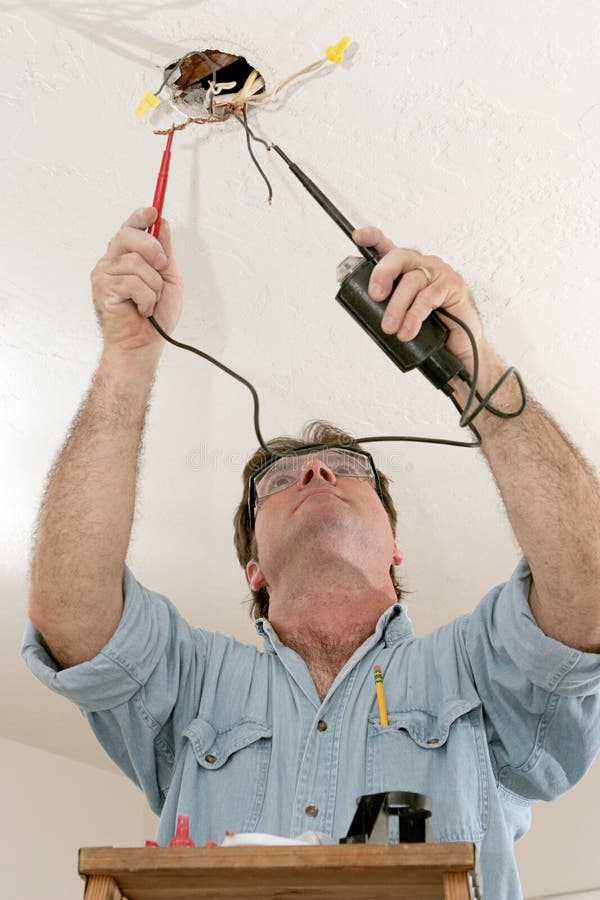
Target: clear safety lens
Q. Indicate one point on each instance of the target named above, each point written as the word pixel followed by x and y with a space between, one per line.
pixel 287 470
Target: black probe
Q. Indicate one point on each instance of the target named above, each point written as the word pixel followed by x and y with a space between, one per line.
pixel 427 351
pixel 326 204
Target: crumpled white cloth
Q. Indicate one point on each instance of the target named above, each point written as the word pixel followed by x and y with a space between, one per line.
pixel 256 838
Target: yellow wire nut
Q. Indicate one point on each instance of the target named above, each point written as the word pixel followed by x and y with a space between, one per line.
pixel 148 101
pixel 335 53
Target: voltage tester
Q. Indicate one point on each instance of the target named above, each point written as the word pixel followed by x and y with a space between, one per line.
pixel 426 352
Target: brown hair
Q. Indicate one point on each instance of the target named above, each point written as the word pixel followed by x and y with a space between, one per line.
pixel 317 432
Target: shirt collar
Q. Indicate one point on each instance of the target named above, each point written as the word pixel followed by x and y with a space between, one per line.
pixel 392 627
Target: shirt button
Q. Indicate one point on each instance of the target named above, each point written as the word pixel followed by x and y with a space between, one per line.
pixel 321 725
pixel 433 741
pixel 312 811
pixel 209 758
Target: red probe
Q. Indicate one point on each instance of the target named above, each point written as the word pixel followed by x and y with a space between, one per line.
pixel 161 185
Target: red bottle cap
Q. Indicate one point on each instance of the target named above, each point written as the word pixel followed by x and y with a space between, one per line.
pixel 152 844
pixel 182 837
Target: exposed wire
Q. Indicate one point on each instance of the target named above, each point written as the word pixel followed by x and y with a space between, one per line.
pixel 249 87
pixel 232 105
pixel 203 120
pixel 247 96
pixel 251 92
pixel 196 120
pixel 212 84
pixel 214 90
pixel 243 121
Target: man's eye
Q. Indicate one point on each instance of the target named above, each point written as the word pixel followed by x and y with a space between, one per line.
pixel 281 481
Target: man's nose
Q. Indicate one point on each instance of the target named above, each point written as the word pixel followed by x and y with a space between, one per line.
pixel 317 469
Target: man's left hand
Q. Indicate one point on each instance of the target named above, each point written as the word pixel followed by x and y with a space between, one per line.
pixel 413 300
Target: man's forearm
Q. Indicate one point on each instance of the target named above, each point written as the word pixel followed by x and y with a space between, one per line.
pixel 86 515
pixel 552 498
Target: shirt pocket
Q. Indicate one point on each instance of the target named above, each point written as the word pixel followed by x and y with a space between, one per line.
pixel 231 772
pixel 437 752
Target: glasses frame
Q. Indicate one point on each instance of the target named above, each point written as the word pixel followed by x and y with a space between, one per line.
pixel 297 451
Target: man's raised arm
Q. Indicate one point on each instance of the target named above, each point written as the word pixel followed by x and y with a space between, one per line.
pixel 86 515
pixel 552 498
pixel 551 494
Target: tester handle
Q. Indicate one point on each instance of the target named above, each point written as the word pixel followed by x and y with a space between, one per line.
pixel 161 185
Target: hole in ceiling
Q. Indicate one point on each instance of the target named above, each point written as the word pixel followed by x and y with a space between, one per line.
pixel 191 91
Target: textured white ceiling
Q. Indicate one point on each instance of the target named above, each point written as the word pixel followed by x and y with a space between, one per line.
pixel 470 130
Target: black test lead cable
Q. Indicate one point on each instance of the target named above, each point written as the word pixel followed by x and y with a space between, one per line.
pixel 222 366
pixel 373 438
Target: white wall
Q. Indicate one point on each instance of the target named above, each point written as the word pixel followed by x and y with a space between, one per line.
pixel 559 855
pixel 51 807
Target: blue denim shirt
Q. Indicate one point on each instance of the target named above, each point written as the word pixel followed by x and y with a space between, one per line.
pixel 486 715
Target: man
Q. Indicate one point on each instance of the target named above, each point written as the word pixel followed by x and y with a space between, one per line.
pixel 486 715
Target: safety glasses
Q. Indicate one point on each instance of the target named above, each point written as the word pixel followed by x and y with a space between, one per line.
pixel 279 473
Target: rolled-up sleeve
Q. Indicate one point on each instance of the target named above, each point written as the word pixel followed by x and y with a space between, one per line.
pixel 541 698
pixel 126 663
pixel 140 690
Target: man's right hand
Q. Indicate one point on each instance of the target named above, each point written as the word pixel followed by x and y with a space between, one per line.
pixel 136 278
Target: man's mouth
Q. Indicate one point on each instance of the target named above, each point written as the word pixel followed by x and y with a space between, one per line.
pixel 321 490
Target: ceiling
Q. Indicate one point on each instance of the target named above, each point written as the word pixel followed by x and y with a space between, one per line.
pixel 470 130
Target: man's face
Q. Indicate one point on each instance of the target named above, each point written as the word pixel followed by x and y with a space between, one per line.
pixel 324 514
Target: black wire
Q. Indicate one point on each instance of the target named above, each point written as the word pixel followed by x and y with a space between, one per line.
pixel 176 66
pixel 250 134
pixel 465 420
pixel 249 130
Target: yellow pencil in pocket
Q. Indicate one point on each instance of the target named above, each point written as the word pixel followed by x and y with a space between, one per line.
pixel 383 718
